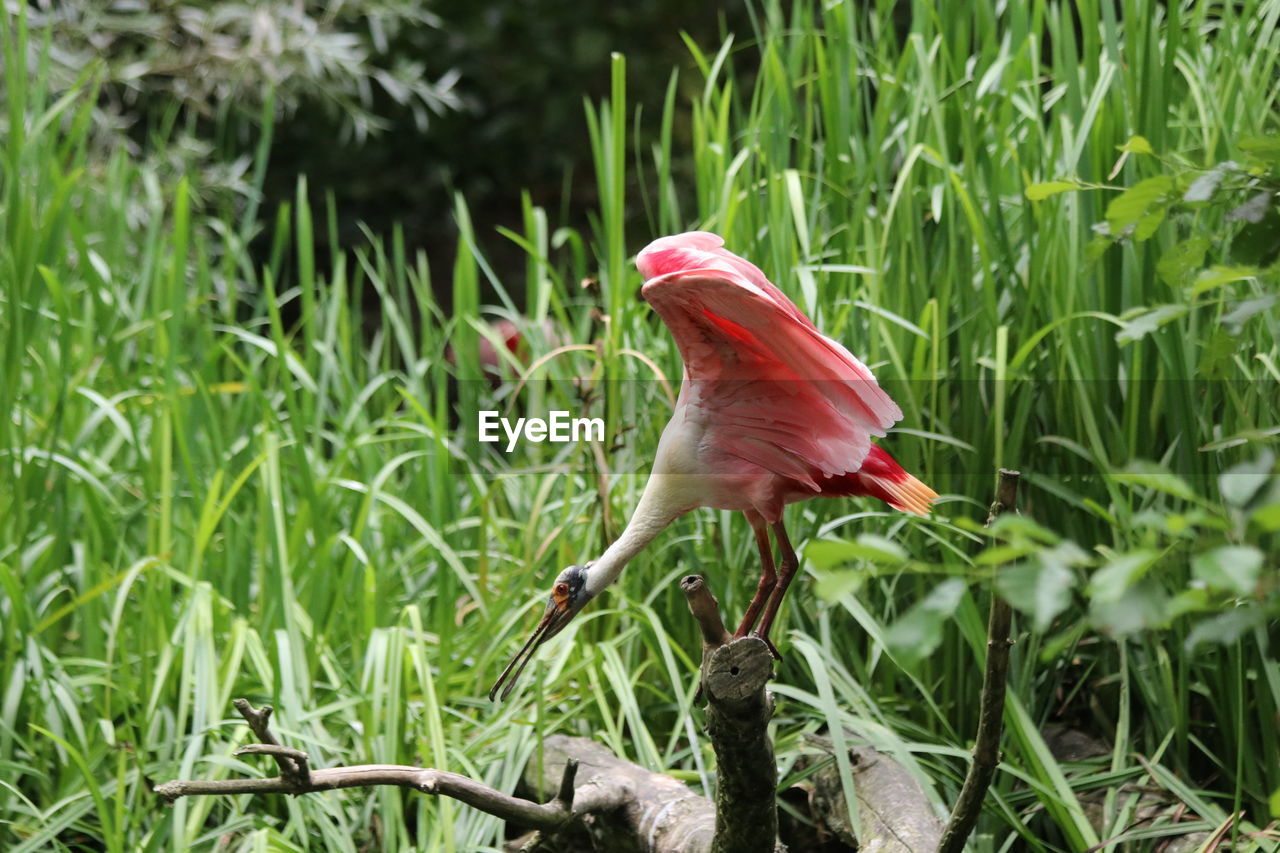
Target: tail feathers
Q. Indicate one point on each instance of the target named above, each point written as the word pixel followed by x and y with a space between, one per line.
pixel 882 477
pixel 909 495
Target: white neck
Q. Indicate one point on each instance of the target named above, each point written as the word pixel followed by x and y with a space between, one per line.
pixel 655 511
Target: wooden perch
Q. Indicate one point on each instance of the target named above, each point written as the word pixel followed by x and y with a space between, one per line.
pixel 706 611
pixel 986 750
pixel 734 675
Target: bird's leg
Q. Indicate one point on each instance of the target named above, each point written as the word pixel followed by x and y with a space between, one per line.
pixel 786 571
pixel 768 577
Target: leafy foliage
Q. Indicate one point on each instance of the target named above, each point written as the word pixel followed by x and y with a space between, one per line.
pixel 211 58
pixel 1228 221
pixel 189 86
pixel 1168 563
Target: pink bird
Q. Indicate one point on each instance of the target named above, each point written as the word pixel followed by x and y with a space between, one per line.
pixel 770 412
pixel 494 364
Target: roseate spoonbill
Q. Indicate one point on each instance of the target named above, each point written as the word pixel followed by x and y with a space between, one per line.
pixel 491 361
pixel 770 411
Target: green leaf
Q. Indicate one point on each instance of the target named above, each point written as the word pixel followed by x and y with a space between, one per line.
pixel 1137 145
pixel 1143 324
pixel 1041 587
pixel 1233 568
pixel 1037 192
pixel 1226 628
pixel 1173 523
pixel 1140 608
pixel 1252 210
pixel 833 586
pixel 918 633
pixel 1114 579
pixel 1175 265
pixel 1149 222
pixel 878 549
pixel 1193 600
pixel 1239 484
pixel 1266 148
pixel 1156 477
pixel 1013 526
pixel 1218 351
pixel 1267 517
pixel 829 553
pixel 1258 243
pixel 1203 187
pixel 1242 312
pixel 1216 276
pixel 1097 247
pixel 1134 203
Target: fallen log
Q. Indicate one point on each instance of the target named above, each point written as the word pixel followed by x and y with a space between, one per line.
pixel 894 813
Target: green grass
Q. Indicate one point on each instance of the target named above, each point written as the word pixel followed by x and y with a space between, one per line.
pixel 235 479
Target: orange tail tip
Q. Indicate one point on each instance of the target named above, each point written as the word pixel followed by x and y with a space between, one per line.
pixel 909 495
pixel 881 477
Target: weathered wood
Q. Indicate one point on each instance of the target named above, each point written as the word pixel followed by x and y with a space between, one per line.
pixel 626 807
pixel 706 612
pixel 738 712
pixel 894 813
pixel 735 672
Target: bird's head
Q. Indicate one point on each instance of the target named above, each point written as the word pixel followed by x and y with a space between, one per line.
pixel 568 595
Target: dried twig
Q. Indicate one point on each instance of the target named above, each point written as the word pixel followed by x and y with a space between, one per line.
pixel 705 609
pixel 292 767
pixel 297 778
pixel 986 750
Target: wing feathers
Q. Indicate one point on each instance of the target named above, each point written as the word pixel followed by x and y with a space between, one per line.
pixel 778 392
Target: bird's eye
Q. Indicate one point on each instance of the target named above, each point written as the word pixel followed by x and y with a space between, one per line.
pixel 562 588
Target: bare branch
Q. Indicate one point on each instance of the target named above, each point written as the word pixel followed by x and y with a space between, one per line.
pixel 270 749
pixel 705 609
pixel 986 750
pixel 300 779
pixel 259 721
pixel 1006 495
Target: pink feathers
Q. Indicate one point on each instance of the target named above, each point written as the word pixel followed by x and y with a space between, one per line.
pixel 769 388
pixel 704 250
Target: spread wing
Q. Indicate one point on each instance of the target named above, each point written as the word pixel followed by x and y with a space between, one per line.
pixel 772 389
